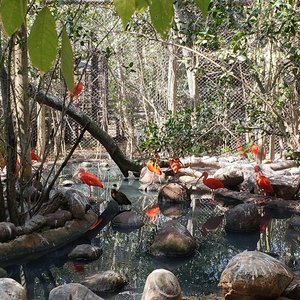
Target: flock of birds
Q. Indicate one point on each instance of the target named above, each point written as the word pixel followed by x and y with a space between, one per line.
pixel 213 184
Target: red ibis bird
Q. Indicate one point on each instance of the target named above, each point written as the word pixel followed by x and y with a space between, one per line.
pixel 89 178
pixel 34 156
pixel 119 197
pixel 255 151
pixel 77 89
pixel 263 182
pixel 153 167
pixel 212 183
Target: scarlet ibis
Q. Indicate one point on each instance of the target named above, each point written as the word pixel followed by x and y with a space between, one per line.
pixel 255 150
pixel 152 212
pixel 77 89
pixel 89 178
pixel 34 156
pixel 263 182
pixel 175 164
pixel 119 197
pixel 212 183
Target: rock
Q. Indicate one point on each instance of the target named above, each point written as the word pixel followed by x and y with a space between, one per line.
pixel 74 291
pixel 77 203
pixel 293 290
pixel 7 231
pixel 107 281
pixel 231 176
pixel 67 183
pixel 85 252
pixel 148 177
pixel 34 224
pixel 295 223
pixel 173 240
pixel 3 273
pixel 242 218
pixel 174 200
pixel 149 188
pixel 254 275
pixel 11 290
pixel 58 219
pixel 163 285
pixel 127 221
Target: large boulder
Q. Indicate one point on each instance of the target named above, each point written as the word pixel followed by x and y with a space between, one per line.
pixel 231 176
pixel 163 285
pixel 74 291
pixel 85 252
pixel 174 200
pixel 127 221
pixel 58 219
pixel 149 177
pixel 254 275
pixel 105 282
pixel 77 203
pixel 242 218
pixel 11 290
pixel 173 240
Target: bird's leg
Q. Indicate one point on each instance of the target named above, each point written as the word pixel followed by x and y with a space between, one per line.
pixel 213 200
pixel 90 191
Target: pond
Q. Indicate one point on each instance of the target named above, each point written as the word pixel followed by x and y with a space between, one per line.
pixel 128 252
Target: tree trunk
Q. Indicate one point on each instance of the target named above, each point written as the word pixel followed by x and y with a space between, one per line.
pixel 95 88
pixel 22 104
pixel 103 76
pixel 172 80
pixel 11 153
pixel 93 128
pixel 41 130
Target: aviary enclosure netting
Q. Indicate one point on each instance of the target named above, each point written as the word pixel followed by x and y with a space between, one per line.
pixel 126 77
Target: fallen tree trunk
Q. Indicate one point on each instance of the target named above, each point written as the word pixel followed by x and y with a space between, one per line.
pixel 125 165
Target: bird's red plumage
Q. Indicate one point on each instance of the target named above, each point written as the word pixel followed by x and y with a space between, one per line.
pixel 212 183
pixel 264 184
pixel 89 178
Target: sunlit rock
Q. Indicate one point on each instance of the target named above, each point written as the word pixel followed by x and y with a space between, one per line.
pixel 242 218
pixel 58 219
pixel 231 176
pixel 173 240
pixel 107 281
pixel 127 221
pixel 152 187
pixel 174 200
pixel 7 231
pixel 11 290
pixel 74 291
pixel 163 285
pixel 77 203
pixel 85 252
pixel 253 275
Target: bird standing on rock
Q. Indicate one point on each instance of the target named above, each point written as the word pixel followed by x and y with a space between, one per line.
pixel 212 183
pixel 119 197
pixel 263 182
pixel 88 178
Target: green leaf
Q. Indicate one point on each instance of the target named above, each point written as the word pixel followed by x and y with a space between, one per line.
pixel 125 9
pixel 43 41
pixel 141 5
pixel 203 5
pixel 67 61
pixel 162 13
pixel 12 14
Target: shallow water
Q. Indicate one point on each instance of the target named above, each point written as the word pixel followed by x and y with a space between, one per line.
pixel 128 252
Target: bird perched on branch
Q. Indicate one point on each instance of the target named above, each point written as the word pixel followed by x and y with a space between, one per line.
pixel 263 182
pixel 119 197
pixel 89 179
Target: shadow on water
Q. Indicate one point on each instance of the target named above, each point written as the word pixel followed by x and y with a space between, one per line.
pixel 128 252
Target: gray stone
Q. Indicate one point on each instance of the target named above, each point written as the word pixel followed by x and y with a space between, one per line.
pixel 76 202
pixel 127 220
pixel 107 281
pixel 58 219
pixel 34 224
pixel 242 218
pixel 254 275
pixel 173 240
pixel 85 252
pixel 11 290
pixel 74 291
pixel 231 176
pixel 163 285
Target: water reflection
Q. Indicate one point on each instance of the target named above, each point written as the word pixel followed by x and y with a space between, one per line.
pixel 129 252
